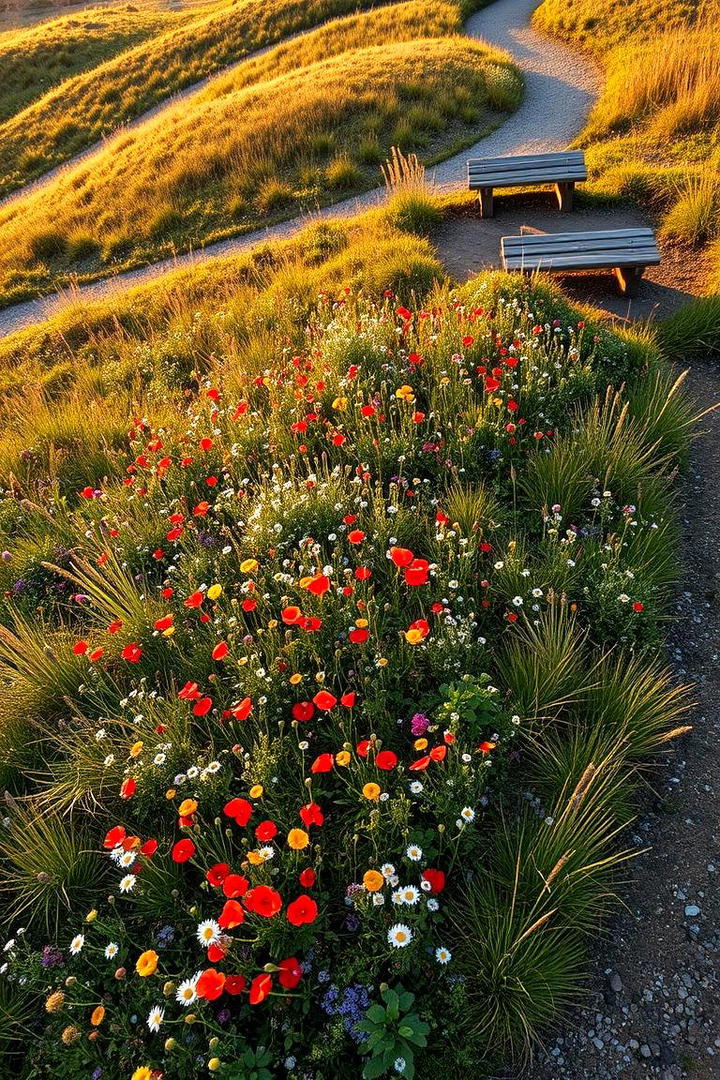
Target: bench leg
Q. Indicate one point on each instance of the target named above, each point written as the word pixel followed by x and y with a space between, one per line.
pixel 565 193
pixel 629 279
pixel 487 207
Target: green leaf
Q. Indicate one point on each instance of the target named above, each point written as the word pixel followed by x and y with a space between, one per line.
pixel 376 1013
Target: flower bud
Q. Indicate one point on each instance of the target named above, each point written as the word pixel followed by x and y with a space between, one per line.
pixel 169 988
pixel 71 980
pixel 120 973
pixel 191 1018
pixel 170 1044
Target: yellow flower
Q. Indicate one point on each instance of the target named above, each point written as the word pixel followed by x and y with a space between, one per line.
pixel 70 1034
pixel 361 623
pixel 272 624
pixel 214 1064
pixel 55 1002
pixel 169 632
pixel 305 581
pixel 91 916
pixel 256 791
pixel 339 403
pixel 382 662
pixel 342 757
pixel 170 793
pixel 147 963
pixel 413 637
pixel 215 591
pixel 136 749
pixel 187 807
pixel 254 858
pixel 371 791
pixel 373 880
pixel 405 393
pixel 295 679
pixel 420 744
pixel 98 1016
pixel 249 566
pixel 298 839
pixel 143 1073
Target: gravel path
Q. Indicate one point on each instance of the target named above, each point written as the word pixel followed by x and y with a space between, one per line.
pixel 561 85
pixel 654 1003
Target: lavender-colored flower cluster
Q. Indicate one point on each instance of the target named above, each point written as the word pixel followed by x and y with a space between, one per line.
pixel 165 937
pixel 51 957
pixel 351 1004
pixel 419 724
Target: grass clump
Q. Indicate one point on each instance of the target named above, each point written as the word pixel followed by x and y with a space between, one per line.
pixel 693 332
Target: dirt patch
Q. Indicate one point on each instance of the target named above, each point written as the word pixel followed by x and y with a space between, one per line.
pixel 468 244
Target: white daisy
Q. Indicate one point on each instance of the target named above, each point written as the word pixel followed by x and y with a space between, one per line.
pixel 127 884
pixel 126 859
pixel 111 950
pixel 378 899
pixel 213 767
pixel 467 814
pixel 399 935
pixel 414 853
pixel 410 894
pixel 416 787
pixel 443 955
pixel 208 932
pixel 77 943
pixel 155 1018
pixel 397 897
pixel 387 870
pixel 159 759
pixel 186 992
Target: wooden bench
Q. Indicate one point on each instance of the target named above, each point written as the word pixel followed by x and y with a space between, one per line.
pixel 626 251
pixel 529 170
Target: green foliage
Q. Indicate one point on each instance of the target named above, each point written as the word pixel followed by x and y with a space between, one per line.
pixel 393 1034
pixel 693 332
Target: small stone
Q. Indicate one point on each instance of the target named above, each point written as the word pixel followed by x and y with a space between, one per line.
pixel 616 983
pixel 645 1050
pixel 691 910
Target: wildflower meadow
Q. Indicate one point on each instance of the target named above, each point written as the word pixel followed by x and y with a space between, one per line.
pixel 324 689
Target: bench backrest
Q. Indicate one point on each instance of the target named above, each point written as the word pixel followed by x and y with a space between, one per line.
pixel 565 167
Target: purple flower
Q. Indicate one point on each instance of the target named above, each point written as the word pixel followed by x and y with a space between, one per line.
pixel 51 957
pixel 419 724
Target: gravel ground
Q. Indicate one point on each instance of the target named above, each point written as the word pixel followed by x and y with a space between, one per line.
pixel 653 1008
pixel 561 85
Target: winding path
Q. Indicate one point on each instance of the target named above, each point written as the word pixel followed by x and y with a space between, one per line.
pixel 560 87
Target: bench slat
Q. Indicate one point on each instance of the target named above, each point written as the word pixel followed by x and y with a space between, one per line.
pixel 569 156
pixel 598 261
pixel 602 249
pixel 553 176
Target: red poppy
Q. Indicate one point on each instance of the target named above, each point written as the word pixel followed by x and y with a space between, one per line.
pixel 262 900
pixel 239 809
pixel 210 985
pixel 291 615
pixel 302 910
pixel 183 850
pixel 319 584
pixel 203 706
pixel 386 760
pixel 232 915
pixel 325 700
pixel 436 879
pixel 249 605
pixel 348 700
pixel 420 765
pixel 132 652
pixel 260 988
pixel 359 635
pixel 217 874
pixel 311 814
pixel 165 623
pixel 638 606
pixel 362 747
pixel 243 710
pixel 215 954
pixel 303 711
pixel 149 848
pixel 362 573
pixel 189 692
pixel 235 984
pixel 418 572
pixel 195 599
pixel 220 651
pixel 115 836
pixel 307 878
pixel 356 536
pixel 128 788
pixel 266 831
pixel 310 623
pixel 95 655
pixel 323 763
pixel 401 556
pixel 290 972
pixel 80 648
pixel 438 753
pixel 235 885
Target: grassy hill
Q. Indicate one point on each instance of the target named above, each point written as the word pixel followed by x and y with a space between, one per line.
pixel 85 108
pixel 35 59
pixel 655 131
pixel 217 167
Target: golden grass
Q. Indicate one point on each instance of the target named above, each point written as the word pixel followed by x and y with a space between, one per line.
pixel 92 104
pixel 254 155
pixel 654 134
pixel 107 354
pixel 35 59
